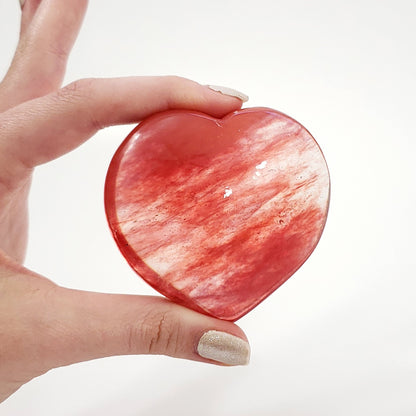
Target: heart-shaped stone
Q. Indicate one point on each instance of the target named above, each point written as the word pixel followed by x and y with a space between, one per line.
pixel 216 214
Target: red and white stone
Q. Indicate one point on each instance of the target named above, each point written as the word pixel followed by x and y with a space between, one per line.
pixel 217 214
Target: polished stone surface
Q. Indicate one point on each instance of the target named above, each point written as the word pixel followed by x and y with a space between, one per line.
pixel 217 214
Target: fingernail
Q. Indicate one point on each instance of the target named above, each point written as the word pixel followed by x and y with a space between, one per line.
pixel 224 348
pixel 22 2
pixel 229 91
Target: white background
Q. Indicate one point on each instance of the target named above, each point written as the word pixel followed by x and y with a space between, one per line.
pixel 339 338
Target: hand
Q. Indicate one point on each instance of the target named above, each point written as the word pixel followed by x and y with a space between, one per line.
pixel 42 325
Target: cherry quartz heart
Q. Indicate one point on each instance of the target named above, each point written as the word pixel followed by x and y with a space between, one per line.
pixel 216 214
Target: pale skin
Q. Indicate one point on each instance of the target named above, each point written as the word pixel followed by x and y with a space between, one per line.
pixel 43 325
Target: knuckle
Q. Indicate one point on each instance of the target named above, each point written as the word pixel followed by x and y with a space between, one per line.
pixel 173 81
pixel 79 89
pixel 59 52
pixel 180 91
pixel 81 93
pixel 158 333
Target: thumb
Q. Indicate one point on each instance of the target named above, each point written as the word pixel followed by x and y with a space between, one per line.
pixel 44 326
pixel 90 325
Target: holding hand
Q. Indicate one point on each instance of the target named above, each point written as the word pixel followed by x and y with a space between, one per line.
pixel 42 325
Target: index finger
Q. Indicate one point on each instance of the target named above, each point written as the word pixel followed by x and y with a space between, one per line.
pixel 44 129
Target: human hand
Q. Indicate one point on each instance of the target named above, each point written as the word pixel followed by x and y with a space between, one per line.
pixel 43 325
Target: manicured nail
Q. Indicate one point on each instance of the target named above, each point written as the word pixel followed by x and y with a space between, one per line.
pixel 229 91
pixel 22 2
pixel 224 348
